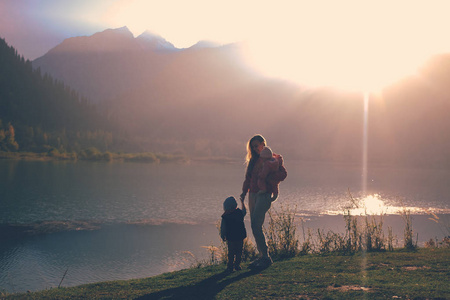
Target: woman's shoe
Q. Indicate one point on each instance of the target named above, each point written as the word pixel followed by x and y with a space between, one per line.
pixel 254 263
pixel 264 262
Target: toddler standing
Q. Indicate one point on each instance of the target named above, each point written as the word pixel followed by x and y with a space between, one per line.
pixel 232 230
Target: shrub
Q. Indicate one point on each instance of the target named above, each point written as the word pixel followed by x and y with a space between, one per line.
pixel 53 152
pixel 408 232
pixel 307 245
pixel 90 154
pixel 281 233
pixel 373 234
pixel 146 157
pixel 362 233
pixel 330 242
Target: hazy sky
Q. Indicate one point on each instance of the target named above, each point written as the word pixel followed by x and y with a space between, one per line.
pixel 357 44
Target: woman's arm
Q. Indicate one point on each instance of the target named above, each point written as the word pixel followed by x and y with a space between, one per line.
pixel 246 184
pixel 244 210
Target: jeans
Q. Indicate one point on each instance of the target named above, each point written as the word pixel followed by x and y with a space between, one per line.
pixel 258 205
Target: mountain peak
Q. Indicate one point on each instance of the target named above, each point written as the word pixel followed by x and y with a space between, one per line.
pixel 149 35
pixel 150 40
pixel 109 40
pixel 123 29
pixel 205 44
pixel 117 34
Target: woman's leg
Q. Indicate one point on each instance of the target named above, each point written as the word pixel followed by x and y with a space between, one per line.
pixel 262 205
pixel 251 203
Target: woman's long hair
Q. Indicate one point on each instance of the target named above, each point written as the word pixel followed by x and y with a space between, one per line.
pixel 252 156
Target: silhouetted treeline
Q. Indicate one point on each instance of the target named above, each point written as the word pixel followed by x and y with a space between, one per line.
pixel 38 113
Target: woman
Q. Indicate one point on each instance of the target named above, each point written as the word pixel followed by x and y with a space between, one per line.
pixel 258 203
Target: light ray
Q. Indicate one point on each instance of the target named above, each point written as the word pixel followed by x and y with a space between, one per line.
pixel 365 143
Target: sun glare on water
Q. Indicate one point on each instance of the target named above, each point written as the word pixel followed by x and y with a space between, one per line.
pixel 373 205
pixel 370 205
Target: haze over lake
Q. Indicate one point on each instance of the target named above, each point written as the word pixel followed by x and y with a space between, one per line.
pixel 107 221
pixel 322 82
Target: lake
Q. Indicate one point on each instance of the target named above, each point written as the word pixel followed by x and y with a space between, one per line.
pixel 110 221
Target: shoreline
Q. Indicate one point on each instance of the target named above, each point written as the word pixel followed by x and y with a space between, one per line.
pixel 312 221
pixel 156 248
pixel 156 157
pixel 374 275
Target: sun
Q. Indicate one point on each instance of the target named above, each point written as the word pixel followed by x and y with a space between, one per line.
pixel 348 44
pixel 363 64
pixel 353 45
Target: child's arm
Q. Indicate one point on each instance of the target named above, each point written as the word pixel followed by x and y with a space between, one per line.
pixel 223 230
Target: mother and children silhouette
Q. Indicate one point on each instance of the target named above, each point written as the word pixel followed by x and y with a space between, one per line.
pixel 265 171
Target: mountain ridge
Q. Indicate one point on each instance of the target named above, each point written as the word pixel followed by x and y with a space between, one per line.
pixel 154 41
pixel 120 62
pixel 207 101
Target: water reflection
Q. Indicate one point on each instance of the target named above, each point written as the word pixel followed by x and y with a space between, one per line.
pixel 113 252
pixel 375 205
pixel 121 221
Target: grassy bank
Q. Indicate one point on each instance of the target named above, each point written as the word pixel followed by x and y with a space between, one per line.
pixel 401 274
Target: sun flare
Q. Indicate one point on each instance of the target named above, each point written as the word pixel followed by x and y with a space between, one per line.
pixel 348 44
pixel 356 60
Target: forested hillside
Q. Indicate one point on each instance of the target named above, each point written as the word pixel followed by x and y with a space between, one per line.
pixel 39 114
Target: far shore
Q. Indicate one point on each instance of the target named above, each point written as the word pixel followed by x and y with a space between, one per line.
pixel 142 157
pixel 94 155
